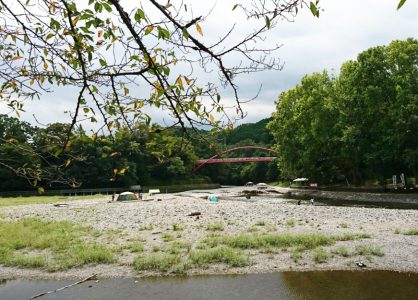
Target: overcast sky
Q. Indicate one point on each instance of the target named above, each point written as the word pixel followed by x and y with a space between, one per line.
pixel 310 44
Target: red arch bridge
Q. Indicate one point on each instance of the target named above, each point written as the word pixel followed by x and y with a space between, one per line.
pixel 218 159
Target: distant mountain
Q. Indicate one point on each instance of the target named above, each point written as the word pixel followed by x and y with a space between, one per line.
pixel 254 131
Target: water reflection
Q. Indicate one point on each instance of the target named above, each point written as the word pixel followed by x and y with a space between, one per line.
pixel 351 285
pixel 287 286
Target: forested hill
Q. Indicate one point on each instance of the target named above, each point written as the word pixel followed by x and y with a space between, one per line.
pixel 256 132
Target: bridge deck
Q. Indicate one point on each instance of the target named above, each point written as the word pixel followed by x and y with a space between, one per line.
pixel 233 160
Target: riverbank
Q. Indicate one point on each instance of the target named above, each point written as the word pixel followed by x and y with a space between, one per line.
pixel 184 233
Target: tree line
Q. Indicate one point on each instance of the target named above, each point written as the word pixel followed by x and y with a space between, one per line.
pixel 354 127
pixel 31 156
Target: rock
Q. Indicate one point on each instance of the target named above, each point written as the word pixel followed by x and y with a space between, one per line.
pixel 197 213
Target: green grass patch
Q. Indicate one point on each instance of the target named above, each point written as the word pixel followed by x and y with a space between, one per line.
pixel 253 229
pixel 275 240
pixel 167 237
pixel 412 231
pixel 67 245
pixel 341 251
pixel 12 201
pixel 260 223
pixel 215 227
pixel 178 227
pixel 135 246
pixel 145 228
pixel 369 251
pixel 296 255
pixel 353 236
pixel 320 255
pixel 227 255
pixel 291 223
pixel 178 247
pixel 155 262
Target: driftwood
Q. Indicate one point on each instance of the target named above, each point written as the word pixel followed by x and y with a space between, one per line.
pixel 65 287
pixel 198 213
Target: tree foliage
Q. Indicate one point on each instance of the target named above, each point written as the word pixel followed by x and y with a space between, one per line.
pixel 359 125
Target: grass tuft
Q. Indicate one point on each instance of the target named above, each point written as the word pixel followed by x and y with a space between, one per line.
pixel 369 250
pixel 177 227
pixel 341 251
pixel 291 223
pixel 412 231
pixel 215 227
pixel 155 262
pixel 227 255
pixel 320 255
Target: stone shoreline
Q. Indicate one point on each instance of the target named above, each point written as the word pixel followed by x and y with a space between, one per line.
pixel 237 214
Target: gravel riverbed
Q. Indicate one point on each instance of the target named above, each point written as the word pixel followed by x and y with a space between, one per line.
pixel 266 213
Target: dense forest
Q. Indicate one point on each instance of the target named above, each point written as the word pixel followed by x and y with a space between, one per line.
pixel 352 128
pixel 359 126
pixel 147 156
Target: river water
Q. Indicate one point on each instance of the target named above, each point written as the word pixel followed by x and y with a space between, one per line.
pixel 286 285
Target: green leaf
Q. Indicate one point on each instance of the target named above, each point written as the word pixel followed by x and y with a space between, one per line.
pixel 314 9
pixel 102 62
pixel 268 23
pixel 163 33
pixel 98 7
pixel 185 33
pixel 401 3
pixel 107 7
pixel 235 6
pixel 139 14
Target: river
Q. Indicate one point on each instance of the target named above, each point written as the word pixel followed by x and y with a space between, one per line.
pixel 286 285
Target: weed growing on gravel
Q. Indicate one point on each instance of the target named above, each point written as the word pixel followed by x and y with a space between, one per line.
pixel 397 231
pixel 168 237
pixel 353 236
pixel 296 256
pixel 341 251
pixel 66 244
pixel 227 255
pixel 253 229
pixel 412 231
pixel 177 227
pixel 155 262
pixel 135 246
pixel 276 240
pixel 320 255
pixel 369 251
pixel 215 227
pixel 291 223
pixel 260 223
pixel 178 247
pixel 146 228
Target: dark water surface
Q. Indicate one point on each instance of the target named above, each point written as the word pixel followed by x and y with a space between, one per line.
pixel 354 203
pixel 286 285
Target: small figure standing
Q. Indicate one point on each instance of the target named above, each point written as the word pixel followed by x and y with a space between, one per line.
pixel 299 202
pixel 312 201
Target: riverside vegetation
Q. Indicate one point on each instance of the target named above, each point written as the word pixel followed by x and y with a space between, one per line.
pixel 61 245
